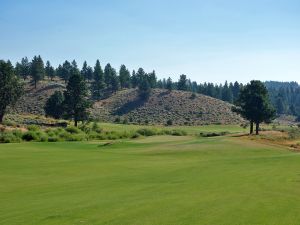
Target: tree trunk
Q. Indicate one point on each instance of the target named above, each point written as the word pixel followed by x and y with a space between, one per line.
pixel 75 122
pixel 35 84
pixel 257 128
pixel 251 127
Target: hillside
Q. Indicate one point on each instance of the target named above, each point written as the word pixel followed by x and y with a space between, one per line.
pixel 179 107
pixel 33 100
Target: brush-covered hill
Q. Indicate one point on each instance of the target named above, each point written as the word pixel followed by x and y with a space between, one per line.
pixel 176 107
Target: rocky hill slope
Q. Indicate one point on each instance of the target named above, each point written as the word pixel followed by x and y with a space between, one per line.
pixel 163 107
pixel 176 107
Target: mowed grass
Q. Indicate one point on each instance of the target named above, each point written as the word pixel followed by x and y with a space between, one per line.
pixel 157 180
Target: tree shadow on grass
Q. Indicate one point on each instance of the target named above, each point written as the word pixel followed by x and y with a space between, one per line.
pixel 128 107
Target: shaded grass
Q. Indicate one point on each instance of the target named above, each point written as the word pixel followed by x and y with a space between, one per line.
pixel 156 180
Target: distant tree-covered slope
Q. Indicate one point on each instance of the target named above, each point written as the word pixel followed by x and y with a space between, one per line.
pixel 285 96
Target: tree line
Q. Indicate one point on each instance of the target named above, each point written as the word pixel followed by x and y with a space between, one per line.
pixel 285 96
pixel 94 83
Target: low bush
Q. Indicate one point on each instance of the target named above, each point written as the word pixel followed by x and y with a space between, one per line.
pixel 213 134
pixel 294 133
pixel 178 133
pixel 10 137
pixel 33 128
pixel 73 130
pixel 30 136
pixel 146 132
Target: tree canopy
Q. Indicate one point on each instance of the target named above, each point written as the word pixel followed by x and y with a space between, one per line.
pixel 254 105
pixel 75 98
pixel 11 88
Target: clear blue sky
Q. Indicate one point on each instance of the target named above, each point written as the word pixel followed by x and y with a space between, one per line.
pixel 212 40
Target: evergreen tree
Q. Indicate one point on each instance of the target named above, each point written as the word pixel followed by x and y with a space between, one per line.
pixel 169 84
pixel 280 106
pixel 74 64
pixel 25 68
pixel 235 90
pixel 84 71
pixel 227 94
pixel 144 89
pixel 50 72
pixel 54 105
pixel 152 79
pixel 182 83
pixel 124 76
pixel 107 75
pixel 65 72
pixel 37 69
pixel 141 75
pixel 114 80
pixel 11 88
pixel 134 80
pixel 98 85
pixel 254 105
pixel 75 98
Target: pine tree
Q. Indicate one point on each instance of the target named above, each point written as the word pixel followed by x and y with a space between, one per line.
pixel 254 105
pixel 98 84
pixel 227 94
pixel 169 84
pixel 144 89
pixel 84 71
pixel 11 88
pixel 114 80
pixel 140 76
pixel 50 72
pixel 134 80
pixel 65 72
pixel 107 75
pixel 182 83
pixel 37 69
pixel 124 76
pixel 75 98
pixel 54 105
pixel 152 79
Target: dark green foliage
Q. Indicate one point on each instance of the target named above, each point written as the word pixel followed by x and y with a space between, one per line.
pixel 152 79
pixel 124 76
pixel 134 79
pixel 144 89
pixel 54 105
pixel 76 102
pixel 37 69
pixel 182 83
pixel 254 105
pixel 87 71
pixel 213 134
pixel 30 136
pixel 107 75
pixel 114 80
pixel 50 72
pixel 169 84
pixel 11 88
pixel 227 95
pixel 23 69
pixel 65 71
pixel 98 84
pixel 169 122
pixel 193 96
pixel 146 132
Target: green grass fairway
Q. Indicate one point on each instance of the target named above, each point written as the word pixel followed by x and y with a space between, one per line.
pixel 159 180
